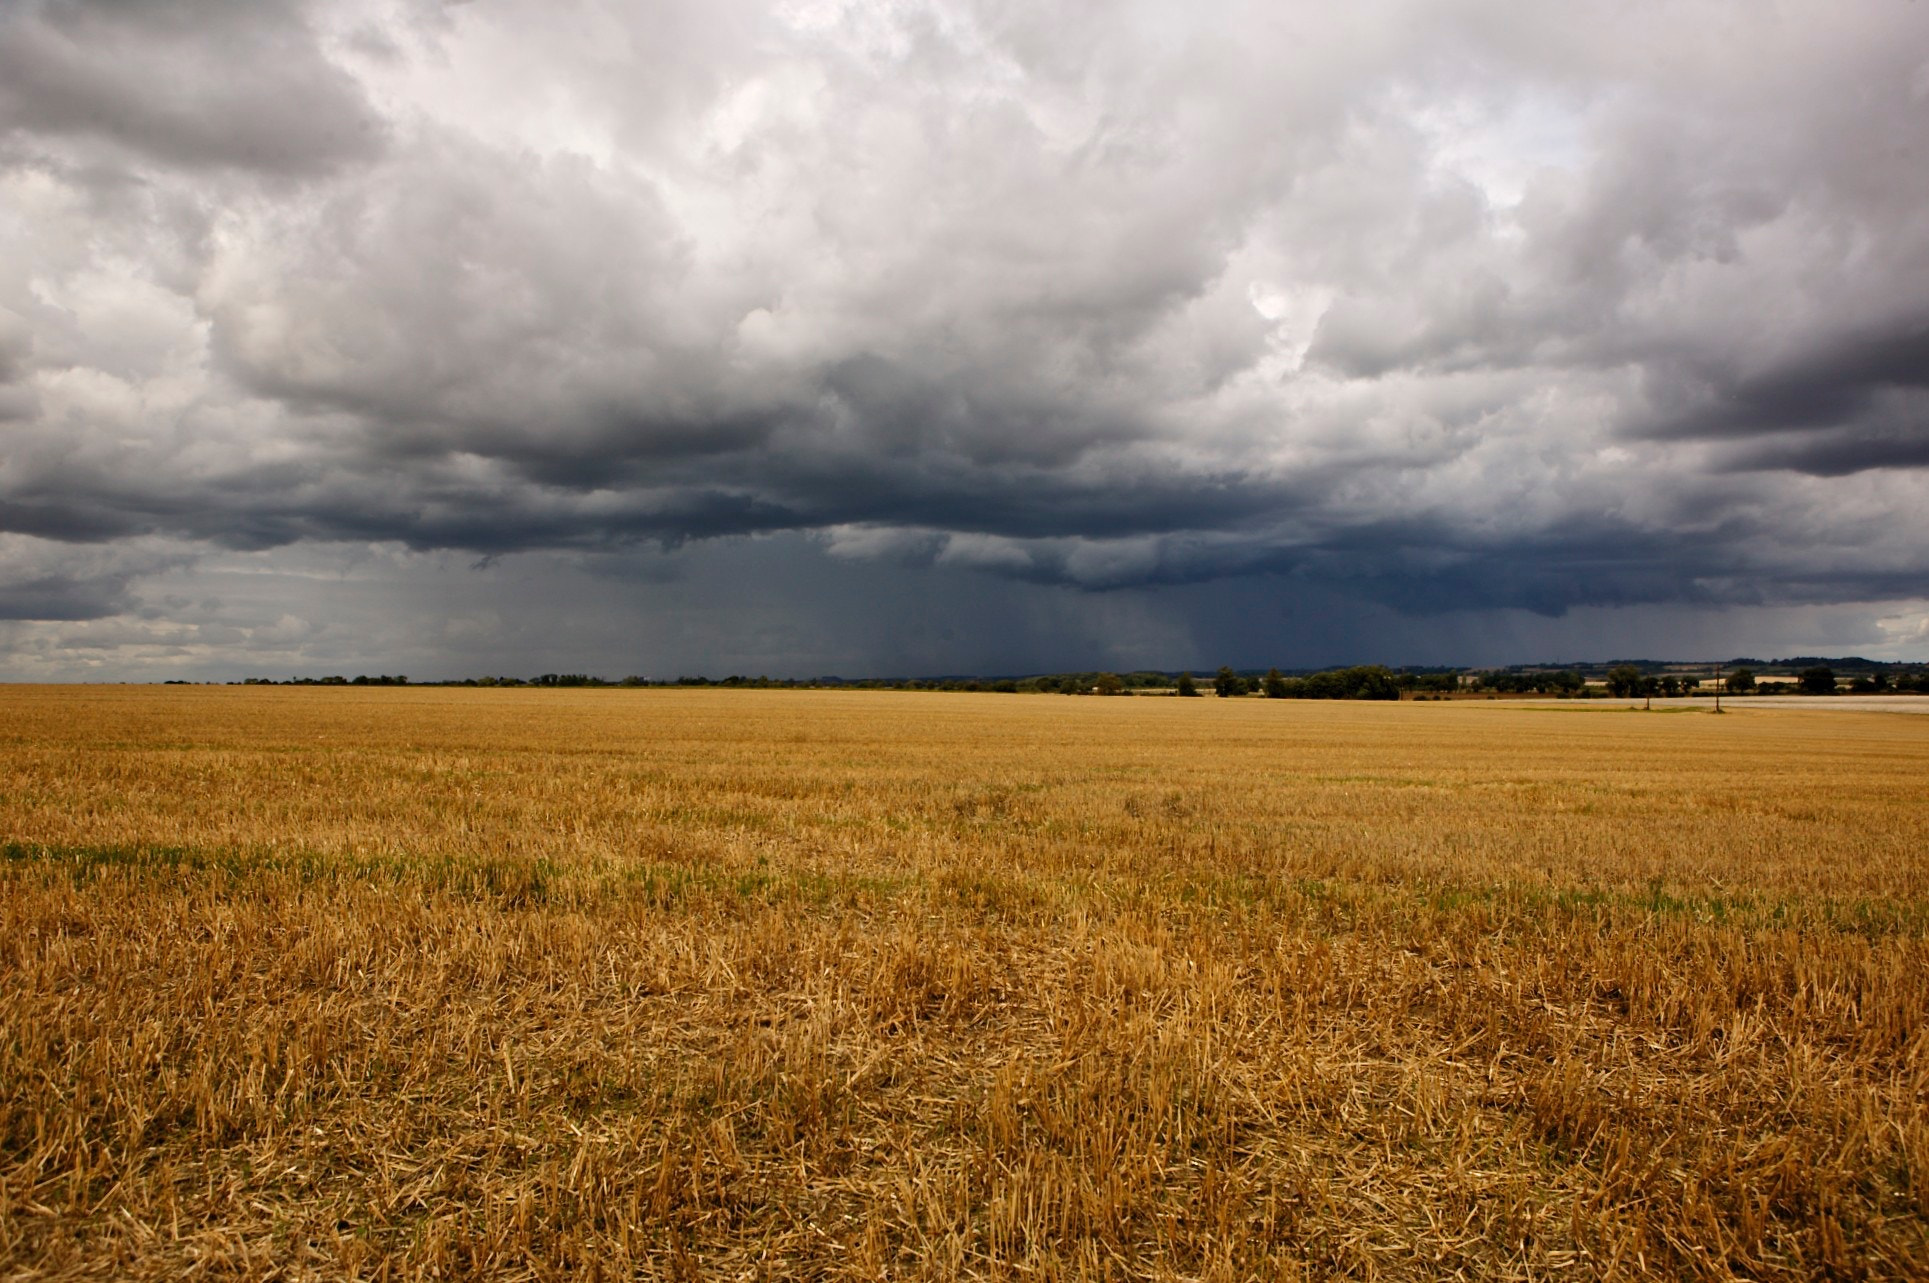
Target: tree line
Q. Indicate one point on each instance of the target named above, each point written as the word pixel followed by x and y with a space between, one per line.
pixel 1633 679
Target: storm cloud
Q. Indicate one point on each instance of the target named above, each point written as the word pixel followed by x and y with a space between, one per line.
pixel 1429 308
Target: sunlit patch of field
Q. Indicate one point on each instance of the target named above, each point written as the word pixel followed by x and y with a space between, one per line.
pixel 554 984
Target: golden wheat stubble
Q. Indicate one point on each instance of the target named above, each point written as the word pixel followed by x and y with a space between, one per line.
pixel 541 983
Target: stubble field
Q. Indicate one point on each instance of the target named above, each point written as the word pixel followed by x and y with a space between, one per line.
pixel 550 984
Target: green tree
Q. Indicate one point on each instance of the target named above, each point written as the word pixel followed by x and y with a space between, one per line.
pixel 1624 681
pixel 1371 681
pixel 1228 683
pixel 1819 680
pixel 1187 687
pixel 1109 684
pixel 1365 681
pixel 1740 682
pixel 1275 684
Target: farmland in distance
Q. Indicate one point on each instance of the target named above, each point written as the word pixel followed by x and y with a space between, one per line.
pixel 540 984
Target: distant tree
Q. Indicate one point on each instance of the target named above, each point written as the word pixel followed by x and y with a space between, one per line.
pixel 1109 684
pixel 1371 681
pixel 1228 684
pixel 1669 685
pixel 1624 681
pixel 1274 684
pixel 1740 682
pixel 1365 681
pixel 1187 687
pixel 1819 680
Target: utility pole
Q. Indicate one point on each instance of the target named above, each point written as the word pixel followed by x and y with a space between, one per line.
pixel 1717 688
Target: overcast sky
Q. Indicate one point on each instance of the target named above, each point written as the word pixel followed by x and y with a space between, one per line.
pixel 876 337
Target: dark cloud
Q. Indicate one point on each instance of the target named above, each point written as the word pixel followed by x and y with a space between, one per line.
pixel 1424 306
pixel 1860 447
pixel 52 597
pixel 1859 402
pixel 233 83
pixel 53 581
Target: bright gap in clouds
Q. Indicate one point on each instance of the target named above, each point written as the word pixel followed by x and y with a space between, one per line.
pixel 1501 148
